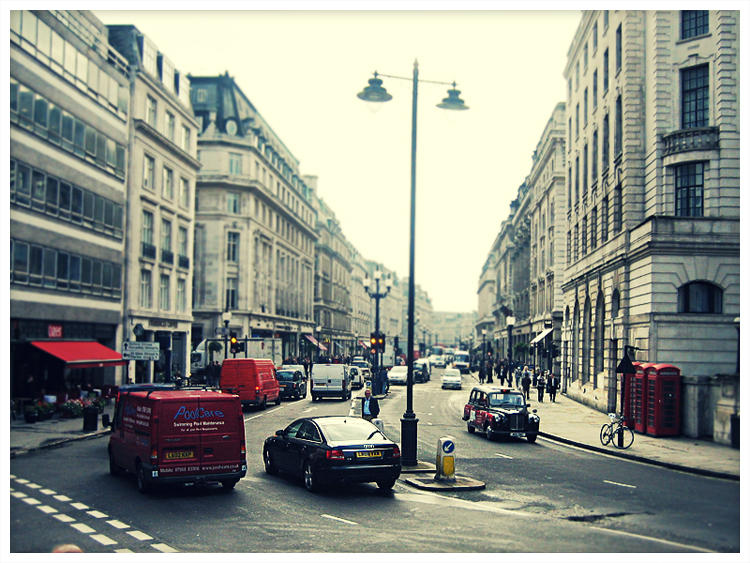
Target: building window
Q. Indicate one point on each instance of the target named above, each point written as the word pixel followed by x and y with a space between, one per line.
pixel 585 107
pixel 235 163
pixel 233 203
pixel 147 228
pixel 594 156
pixel 594 219
pixel 181 295
pixel 577 120
pixel 146 302
pixel 570 88
pixel 594 89
pixel 584 235
pixel 585 168
pixel 699 297
pixel 151 111
pixel 184 193
pixel 618 126
pixel 186 138
pixel 694 23
pixel 578 168
pixel 595 36
pixel 617 211
pixel 231 294
pixel 605 143
pixel 606 19
pixel 578 68
pixel 182 241
pixel 570 133
pixel 167 187
pixel 618 49
pixel 166 235
pixel 689 189
pixel 694 83
pixel 605 219
pixel 567 249
pixel 164 292
pixel 169 127
pixel 570 188
pixel 605 72
pixel 575 243
pixel 233 246
pixel 148 172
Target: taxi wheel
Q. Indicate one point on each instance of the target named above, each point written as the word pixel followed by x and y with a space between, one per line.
pixel 531 438
pixel 386 485
pixel 489 434
pixel 470 428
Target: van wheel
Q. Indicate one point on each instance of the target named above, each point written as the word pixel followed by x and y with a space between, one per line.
pixel 141 480
pixel 263 404
pixel 114 469
pixel 229 484
pixel 311 480
pixel 278 399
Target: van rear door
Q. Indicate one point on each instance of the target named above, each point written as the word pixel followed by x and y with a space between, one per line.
pixel 222 434
pixel 179 436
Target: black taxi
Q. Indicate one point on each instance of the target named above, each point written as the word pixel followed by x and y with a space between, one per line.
pixel 500 411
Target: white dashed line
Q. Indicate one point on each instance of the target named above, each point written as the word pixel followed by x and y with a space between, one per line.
pixel 117 524
pixel 12 476
pixel 33 486
pixel 124 550
pixel 46 509
pixel 83 528
pixel 22 481
pixel 139 535
pixel 96 514
pixel 63 518
pixel 620 484
pixel 79 505
pixel 31 500
pixel 503 455
pixel 339 519
pixel 17 494
pixel 102 539
pixel 62 498
pixel 47 492
pixel 164 548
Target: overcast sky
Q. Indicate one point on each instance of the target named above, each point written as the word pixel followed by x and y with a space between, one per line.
pixel 302 71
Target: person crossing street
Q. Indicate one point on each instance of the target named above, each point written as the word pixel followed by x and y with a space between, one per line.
pixel 370 406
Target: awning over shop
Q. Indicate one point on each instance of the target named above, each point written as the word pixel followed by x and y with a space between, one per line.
pixel 365 346
pixel 318 344
pixel 81 354
pixel 541 336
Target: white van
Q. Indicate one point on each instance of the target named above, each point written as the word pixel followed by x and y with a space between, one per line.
pixel 356 377
pixel 330 380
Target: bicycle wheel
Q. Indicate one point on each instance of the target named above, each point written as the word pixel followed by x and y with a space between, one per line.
pixel 627 437
pixel 605 434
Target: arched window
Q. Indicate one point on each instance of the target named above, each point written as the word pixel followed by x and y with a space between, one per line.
pixel 599 336
pixel 575 352
pixel 615 304
pixel 699 297
pixel 586 342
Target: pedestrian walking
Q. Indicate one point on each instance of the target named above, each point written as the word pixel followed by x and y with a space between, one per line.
pixel 488 369
pixel 370 406
pixel 517 376
pixel 552 386
pixel 526 384
pixel 540 387
pixel 481 372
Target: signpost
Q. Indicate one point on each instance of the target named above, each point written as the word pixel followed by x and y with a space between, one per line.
pixel 144 351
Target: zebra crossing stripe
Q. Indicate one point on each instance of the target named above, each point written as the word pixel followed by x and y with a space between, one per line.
pixel 63 518
pixel 46 509
pixel 83 528
pixel 117 524
pixel 62 498
pixel 102 539
pixel 31 500
pixel 79 505
pixel 96 514
pixel 164 548
pixel 139 535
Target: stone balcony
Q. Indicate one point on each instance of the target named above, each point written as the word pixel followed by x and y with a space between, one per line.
pixel 685 140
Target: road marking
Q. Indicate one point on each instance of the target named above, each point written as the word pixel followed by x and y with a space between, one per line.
pixel 102 539
pixel 657 540
pixel 31 500
pixel 117 524
pixel 79 505
pixel 46 509
pixel 62 498
pixel 96 514
pixel 83 528
pixel 63 518
pixel 124 550
pixel 139 535
pixel 620 484
pixel 310 409
pixel 22 481
pixel 503 455
pixel 12 476
pixel 47 492
pixel 339 519
pixel 33 486
pixel 17 494
pixel 164 548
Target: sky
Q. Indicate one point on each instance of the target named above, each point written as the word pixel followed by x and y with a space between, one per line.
pixel 303 69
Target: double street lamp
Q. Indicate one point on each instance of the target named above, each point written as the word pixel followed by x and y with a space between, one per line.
pixel 317 339
pixel 375 92
pixel 377 295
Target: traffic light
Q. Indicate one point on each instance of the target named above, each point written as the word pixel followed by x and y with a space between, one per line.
pixel 234 347
pixel 381 342
pixel 374 341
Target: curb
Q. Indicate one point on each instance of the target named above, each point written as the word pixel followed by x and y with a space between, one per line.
pixel 60 442
pixel 460 484
pixel 632 457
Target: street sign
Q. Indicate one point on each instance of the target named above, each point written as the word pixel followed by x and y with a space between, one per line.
pixel 448 446
pixel 145 351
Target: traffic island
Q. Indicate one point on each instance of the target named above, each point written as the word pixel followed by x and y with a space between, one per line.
pixel 460 483
pixel 445 478
pixel 421 467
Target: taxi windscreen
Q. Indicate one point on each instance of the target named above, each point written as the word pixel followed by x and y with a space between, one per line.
pixel 506 399
pixel 285 375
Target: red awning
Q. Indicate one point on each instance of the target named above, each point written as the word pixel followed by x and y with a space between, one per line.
pixel 81 354
pixel 318 344
pixel 365 346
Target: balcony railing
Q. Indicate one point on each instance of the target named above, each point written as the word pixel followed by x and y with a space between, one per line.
pixel 148 250
pixel 183 262
pixel 697 139
pixel 167 256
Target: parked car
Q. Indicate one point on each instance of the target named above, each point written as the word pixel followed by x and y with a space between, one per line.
pixel 355 375
pixel 451 379
pixel 296 367
pixel 330 380
pixel 292 383
pixel 500 411
pixel 170 436
pixel 333 449
pixel 254 380
pixel 397 375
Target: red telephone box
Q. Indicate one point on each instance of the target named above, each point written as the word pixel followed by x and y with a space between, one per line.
pixel 638 397
pixel 663 400
pixel 627 407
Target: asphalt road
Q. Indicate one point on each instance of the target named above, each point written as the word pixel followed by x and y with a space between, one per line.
pixel 539 498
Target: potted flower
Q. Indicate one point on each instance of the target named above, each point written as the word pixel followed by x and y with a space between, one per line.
pixel 31 413
pixel 45 410
pixel 72 408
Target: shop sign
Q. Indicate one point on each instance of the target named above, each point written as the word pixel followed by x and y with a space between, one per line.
pixel 54 331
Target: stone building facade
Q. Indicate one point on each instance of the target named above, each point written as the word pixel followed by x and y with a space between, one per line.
pixel 362 321
pixel 652 246
pixel 69 117
pixel 255 223
pixel 484 334
pixel 162 171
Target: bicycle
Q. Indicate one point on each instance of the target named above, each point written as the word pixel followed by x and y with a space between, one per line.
pixel 614 430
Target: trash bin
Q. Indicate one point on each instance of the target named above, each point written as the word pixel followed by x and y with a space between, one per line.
pixel 90 419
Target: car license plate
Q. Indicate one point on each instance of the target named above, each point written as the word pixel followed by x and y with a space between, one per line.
pixel 370 454
pixel 179 454
pixel 516 434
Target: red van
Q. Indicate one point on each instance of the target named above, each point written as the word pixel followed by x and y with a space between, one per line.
pixel 167 435
pixel 254 380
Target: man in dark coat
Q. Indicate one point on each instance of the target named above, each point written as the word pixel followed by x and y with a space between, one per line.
pixel 488 369
pixel 481 372
pixel 370 406
pixel 526 384
pixel 540 386
pixel 551 386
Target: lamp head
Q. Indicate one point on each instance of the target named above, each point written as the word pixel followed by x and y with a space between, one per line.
pixel 453 101
pixel 375 91
pixel 377 275
pixel 366 282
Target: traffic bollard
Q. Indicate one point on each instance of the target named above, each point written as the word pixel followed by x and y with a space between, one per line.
pixel 445 461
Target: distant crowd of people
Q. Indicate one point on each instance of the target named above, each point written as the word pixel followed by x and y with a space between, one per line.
pixel 521 377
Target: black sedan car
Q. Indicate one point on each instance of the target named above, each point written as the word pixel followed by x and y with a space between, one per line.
pixel 292 383
pixel 329 449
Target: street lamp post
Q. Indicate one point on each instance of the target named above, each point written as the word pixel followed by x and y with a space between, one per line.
pixel 484 348
pixel 377 296
pixel 374 92
pixel 510 321
pixel 317 339
pixel 226 316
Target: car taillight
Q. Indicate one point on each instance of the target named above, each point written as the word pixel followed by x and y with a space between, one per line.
pixel 154 454
pixel 490 417
pixel 334 454
pixel 396 452
pixel 243 451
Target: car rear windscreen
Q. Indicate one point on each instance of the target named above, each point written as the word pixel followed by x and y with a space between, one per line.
pixel 342 430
